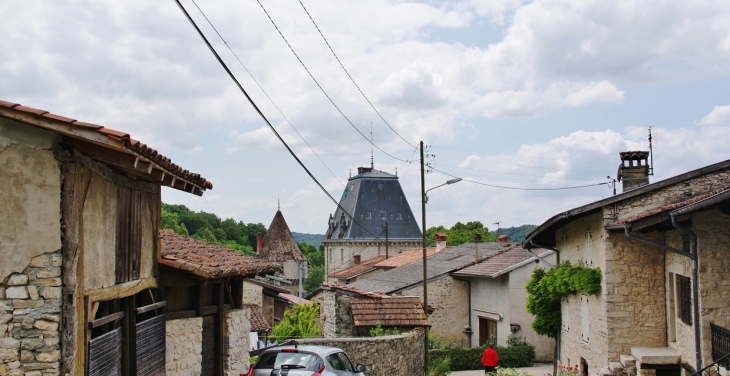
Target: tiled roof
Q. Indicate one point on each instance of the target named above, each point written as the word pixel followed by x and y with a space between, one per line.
pixel 404 258
pixel 293 299
pixel 670 207
pixel 122 151
pixel 358 269
pixel 502 262
pixel 394 311
pixel 352 291
pixel 258 281
pixel 208 261
pixel 279 244
pixel 439 263
pixel 258 322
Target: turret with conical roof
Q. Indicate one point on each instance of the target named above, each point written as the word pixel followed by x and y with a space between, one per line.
pixel 280 247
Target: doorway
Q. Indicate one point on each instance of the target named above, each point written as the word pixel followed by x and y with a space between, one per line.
pixel 487 331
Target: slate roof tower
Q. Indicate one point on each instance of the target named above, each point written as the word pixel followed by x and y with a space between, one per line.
pixel 369 196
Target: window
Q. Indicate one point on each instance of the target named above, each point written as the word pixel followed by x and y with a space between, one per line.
pixel 398 217
pixel 684 299
pixel 370 216
pixel 589 248
pixel 129 234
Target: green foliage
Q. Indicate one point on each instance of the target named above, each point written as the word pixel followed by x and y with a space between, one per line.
pixel 207 227
pixel 299 322
pixel 568 371
pixel 461 233
pixel 516 234
pixel 510 372
pixel 546 289
pixel 378 331
pixel 315 277
pixel 314 255
pixel 466 358
pixel 439 366
pixel 435 342
pixel 313 239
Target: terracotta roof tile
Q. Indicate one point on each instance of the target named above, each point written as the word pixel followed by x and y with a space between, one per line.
pixel 208 261
pixel 346 289
pixel 401 311
pixel 358 269
pixel 258 322
pixel 121 141
pixel 406 257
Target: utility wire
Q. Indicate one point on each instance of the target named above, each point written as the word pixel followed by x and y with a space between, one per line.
pixel 265 93
pixel 253 104
pixel 352 79
pixel 320 86
pixel 517 188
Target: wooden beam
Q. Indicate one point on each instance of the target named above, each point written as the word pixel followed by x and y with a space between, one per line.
pixel 180 315
pixel 209 310
pixel 151 307
pixel 106 319
pixel 121 290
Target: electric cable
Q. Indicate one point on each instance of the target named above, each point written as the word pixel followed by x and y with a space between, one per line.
pixel 320 86
pixel 265 93
pixel 352 79
pixel 518 188
pixel 253 104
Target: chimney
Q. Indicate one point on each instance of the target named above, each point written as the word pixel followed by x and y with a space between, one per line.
pixel 503 239
pixel 356 258
pixel 259 242
pixel 477 251
pixel 440 242
pixel 361 170
pixel 634 169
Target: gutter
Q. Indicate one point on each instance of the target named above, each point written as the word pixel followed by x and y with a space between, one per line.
pixel 533 244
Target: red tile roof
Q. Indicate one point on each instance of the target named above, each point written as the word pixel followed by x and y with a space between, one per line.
pixel 128 154
pixel 402 311
pixel 405 257
pixel 293 299
pixel 208 261
pixel 336 287
pixel 258 322
pixel 358 269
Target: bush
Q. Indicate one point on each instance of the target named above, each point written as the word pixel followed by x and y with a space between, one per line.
pixel 440 367
pixel 465 358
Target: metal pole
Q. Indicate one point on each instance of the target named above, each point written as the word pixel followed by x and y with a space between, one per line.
pixel 425 266
pixel 386 238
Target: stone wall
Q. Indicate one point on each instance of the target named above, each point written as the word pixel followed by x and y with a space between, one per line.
pixel 252 293
pixel 399 355
pixel 449 298
pixel 184 347
pixel 337 315
pixel 237 326
pixel 30 315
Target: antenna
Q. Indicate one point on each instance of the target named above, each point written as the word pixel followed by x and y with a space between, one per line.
pixel 278 202
pixel 497 223
pixel 372 164
pixel 651 155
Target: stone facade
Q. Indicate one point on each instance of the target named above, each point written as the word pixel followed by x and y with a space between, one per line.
pixel 449 299
pixel 337 315
pixel 237 326
pixel 399 355
pixel 184 347
pixel 30 316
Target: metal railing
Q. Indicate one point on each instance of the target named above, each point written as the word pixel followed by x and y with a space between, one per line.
pixel 720 338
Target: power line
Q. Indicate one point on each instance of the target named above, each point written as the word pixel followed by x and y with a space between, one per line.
pixel 352 79
pixel 253 104
pixel 265 93
pixel 518 188
pixel 320 86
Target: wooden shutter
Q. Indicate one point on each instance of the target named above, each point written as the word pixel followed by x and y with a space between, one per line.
pixel 105 354
pixel 129 234
pixel 684 293
pixel 151 347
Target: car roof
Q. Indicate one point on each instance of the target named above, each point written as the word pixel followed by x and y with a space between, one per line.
pixel 320 350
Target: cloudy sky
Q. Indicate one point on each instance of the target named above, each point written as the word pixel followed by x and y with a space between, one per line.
pixel 520 94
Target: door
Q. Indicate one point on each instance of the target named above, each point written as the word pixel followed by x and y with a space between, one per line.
pixel 487 331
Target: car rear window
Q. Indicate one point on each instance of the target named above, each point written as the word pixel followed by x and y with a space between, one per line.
pixel 310 362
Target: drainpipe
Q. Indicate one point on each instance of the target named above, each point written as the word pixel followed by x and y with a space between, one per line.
pixel 695 287
pixel 532 243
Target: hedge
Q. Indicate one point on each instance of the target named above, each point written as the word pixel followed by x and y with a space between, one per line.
pixel 470 358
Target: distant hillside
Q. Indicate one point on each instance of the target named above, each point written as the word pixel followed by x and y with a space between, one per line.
pixel 517 234
pixel 313 239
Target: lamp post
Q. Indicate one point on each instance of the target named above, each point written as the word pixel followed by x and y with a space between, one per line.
pixel 424 200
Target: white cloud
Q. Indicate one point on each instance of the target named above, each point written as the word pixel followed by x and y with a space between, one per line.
pixel 720 115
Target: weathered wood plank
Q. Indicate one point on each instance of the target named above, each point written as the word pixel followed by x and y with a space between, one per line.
pixel 122 290
pixel 151 307
pixel 106 319
pixel 180 315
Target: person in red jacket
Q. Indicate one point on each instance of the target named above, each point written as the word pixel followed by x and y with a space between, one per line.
pixel 489 359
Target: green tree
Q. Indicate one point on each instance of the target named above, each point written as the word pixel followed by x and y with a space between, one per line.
pixel 170 221
pixel 314 256
pixel 315 277
pixel 299 322
pixel 206 235
pixel 461 233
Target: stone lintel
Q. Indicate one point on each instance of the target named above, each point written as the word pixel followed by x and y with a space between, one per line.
pixel 655 355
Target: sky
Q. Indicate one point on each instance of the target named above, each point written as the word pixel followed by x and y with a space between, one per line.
pixel 520 94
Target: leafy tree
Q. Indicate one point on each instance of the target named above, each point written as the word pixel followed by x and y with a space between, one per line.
pixel 315 277
pixel 314 256
pixel 206 235
pixel 299 322
pixel 461 233
pixel 378 330
pixel 170 221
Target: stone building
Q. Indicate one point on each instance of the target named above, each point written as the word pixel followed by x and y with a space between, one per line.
pixel 663 251
pixel 267 296
pixel 208 327
pixel 498 297
pixel 372 201
pixel 79 246
pixel 279 247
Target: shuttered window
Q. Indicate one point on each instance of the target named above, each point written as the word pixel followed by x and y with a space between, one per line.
pixel 129 234
pixel 585 323
pixel 684 299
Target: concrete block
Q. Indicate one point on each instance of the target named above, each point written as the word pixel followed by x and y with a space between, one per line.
pixel 655 355
pixel 615 367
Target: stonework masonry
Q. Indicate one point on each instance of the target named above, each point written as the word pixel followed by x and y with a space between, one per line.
pixel 449 298
pixel 236 331
pixel 399 355
pixel 184 347
pixel 30 317
pixel 337 315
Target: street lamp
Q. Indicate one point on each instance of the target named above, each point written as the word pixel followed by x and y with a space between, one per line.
pixel 424 200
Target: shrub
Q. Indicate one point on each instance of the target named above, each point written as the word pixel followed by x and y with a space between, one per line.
pixel 465 358
pixel 439 367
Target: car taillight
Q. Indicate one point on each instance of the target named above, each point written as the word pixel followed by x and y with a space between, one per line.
pixel 250 370
pixel 319 372
pixel 289 350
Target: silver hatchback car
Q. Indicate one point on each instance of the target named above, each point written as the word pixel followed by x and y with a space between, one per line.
pixel 305 360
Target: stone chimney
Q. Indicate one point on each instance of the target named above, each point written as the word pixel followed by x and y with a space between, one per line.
pixel 356 259
pixel 361 170
pixel 477 251
pixel 503 239
pixel 634 169
pixel 259 242
pixel 440 242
